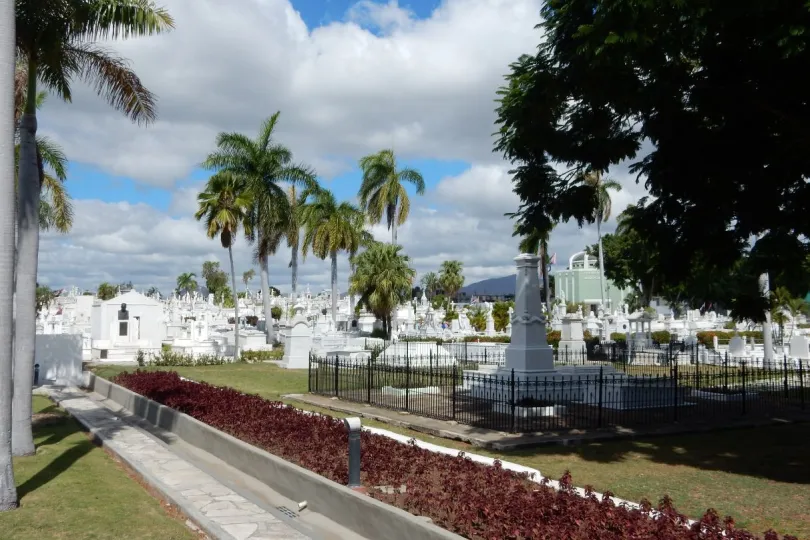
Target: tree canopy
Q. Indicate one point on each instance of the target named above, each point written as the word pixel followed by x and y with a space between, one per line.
pixel 713 90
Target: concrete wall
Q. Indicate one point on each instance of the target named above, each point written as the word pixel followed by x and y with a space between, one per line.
pixel 355 511
pixel 60 358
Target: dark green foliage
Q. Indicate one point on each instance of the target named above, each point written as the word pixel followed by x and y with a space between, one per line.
pixel 713 93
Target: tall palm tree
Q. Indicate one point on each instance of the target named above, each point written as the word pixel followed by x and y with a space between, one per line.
pixel 537 242
pixel 247 277
pixel 296 201
pixel 383 278
pixel 382 191
pixel 329 228
pixel 224 207
pixel 451 278
pixel 602 207
pixel 8 490
pixel 430 281
pixel 57 42
pixel 265 165
pixel 186 282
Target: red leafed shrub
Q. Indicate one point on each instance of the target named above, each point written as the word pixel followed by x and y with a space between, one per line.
pixel 474 500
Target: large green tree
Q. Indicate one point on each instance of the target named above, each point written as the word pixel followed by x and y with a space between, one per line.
pixel 329 228
pixel 383 278
pixel 382 191
pixel 57 40
pixel 264 165
pixel 224 208
pixel 8 490
pixel 186 282
pixel 715 92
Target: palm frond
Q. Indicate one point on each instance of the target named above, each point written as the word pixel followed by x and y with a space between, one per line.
pixel 112 79
pixel 120 19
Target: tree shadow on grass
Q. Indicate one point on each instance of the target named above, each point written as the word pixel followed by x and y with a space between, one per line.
pixel 776 453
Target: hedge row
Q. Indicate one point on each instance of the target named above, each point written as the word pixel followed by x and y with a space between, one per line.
pixel 707 338
pixel 476 501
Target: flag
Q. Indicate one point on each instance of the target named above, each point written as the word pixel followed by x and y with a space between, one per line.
pixel 554 258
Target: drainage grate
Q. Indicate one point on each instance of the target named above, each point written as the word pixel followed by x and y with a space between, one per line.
pixel 287 512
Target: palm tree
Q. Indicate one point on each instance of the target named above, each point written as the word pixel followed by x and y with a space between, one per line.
pixel 382 191
pixel 106 291
pixel 296 201
pixel 331 227
pixel 537 242
pixel 186 282
pixel 602 207
pixel 56 42
pixel 451 278
pixel 247 277
pixel 265 165
pixel 383 279
pixel 225 206
pixel 8 490
pixel 430 282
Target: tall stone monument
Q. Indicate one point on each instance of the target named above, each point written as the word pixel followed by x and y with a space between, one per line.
pixel 528 350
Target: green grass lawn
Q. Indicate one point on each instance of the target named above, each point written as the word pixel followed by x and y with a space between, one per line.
pixel 71 490
pixel 759 476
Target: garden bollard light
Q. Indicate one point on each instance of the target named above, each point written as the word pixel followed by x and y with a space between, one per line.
pixel 36 374
pixel 354 428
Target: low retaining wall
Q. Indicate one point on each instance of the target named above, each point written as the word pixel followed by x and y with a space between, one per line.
pixel 360 513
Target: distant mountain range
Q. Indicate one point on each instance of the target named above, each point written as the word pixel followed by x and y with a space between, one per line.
pixel 501 286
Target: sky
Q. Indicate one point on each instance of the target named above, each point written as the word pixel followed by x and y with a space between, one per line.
pixel 350 78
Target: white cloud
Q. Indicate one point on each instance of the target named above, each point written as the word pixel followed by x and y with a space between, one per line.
pixel 425 86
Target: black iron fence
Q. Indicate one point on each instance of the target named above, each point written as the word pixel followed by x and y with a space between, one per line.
pixel 660 388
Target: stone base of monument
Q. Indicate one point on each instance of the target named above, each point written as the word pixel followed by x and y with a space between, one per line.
pixel 399 392
pixel 573 349
pixel 530 412
pixel 628 393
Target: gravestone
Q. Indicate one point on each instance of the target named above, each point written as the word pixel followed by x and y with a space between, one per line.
pixel 736 347
pixel 528 349
pixel 800 348
pixel 572 337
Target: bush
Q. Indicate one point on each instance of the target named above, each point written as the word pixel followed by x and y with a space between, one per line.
pixel 468 498
pixel 176 359
pixel 252 320
pixel 261 356
pixel 276 312
pixel 379 333
pixel 661 337
pixel 618 337
pixel 488 339
pixel 553 338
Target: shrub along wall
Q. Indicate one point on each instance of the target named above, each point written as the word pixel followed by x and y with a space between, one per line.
pixel 707 338
pixel 468 498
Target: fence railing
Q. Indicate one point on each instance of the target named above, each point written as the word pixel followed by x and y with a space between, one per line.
pixel 601 394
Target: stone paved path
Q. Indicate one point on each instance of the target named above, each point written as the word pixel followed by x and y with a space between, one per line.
pixel 218 510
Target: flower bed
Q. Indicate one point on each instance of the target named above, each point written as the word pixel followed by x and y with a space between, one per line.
pixel 476 501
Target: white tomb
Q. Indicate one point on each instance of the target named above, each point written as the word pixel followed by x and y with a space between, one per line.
pixel 124 325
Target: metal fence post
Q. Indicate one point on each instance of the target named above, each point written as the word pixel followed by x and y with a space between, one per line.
pixel 455 383
pixel 354 428
pixel 601 385
pixel 801 383
pixel 309 373
pixel 743 386
pixel 36 374
pixel 370 380
pixel 337 365
pixel 787 393
pixel 512 402
pixel 407 381
pixel 725 374
pixel 674 374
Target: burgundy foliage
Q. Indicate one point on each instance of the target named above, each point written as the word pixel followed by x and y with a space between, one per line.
pixel 473 500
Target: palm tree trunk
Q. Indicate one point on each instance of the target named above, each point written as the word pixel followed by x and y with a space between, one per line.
pixel 22 440
pixel 294 266
pixel 601 261
pixel 8 491
pixel 394 230
pixel 264 277
pixel 235 308
pixel 351 298
pixel 334 289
